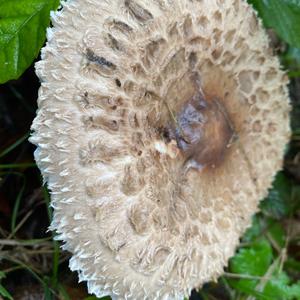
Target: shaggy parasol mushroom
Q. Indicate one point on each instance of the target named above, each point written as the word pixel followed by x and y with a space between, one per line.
pixel 161 125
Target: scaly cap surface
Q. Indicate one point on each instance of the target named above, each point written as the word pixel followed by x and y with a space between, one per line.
pixel 161 124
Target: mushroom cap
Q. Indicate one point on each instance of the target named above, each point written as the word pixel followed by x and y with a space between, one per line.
pixel 161 125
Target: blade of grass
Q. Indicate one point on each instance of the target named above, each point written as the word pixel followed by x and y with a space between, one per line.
pixel 24 219
pixel 17 205
pixel 5 293
pixel 18 227
pixel 47 292
pixel 63 293
pixel 14 145
pixel 12 269
pixel 33 272
pixel 17 166
pixel 24 243
pixel 242 276
pixel 55 265
pixel 20 97
pixel 227 288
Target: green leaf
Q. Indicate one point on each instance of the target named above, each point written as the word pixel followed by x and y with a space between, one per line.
pixel 255 230
pixel 291 61
pixel 2 275
pixel 278 204
pixel 5 293
pixel 265 227
pixel 292 265
pixel 283 16
pixel 23 26
pixel 279 288
pixel 277 233
pixel 254 261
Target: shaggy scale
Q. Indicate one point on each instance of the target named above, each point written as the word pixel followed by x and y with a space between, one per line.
pixel 161 124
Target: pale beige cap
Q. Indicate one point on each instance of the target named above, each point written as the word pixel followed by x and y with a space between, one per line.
pixel 161 125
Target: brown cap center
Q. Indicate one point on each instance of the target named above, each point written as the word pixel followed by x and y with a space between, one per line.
pixel 203 131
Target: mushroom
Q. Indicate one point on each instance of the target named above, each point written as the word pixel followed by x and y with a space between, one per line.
pixel 160 127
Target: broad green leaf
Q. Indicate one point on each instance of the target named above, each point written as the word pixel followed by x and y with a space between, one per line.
pixel 5 293
pixel 255 230
pixel 254 261
pixel 292 265
pixel 277 233
pixel 23 26
pixel 265 227
pixel 283 16
pixel 278 203
pixel 279 288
